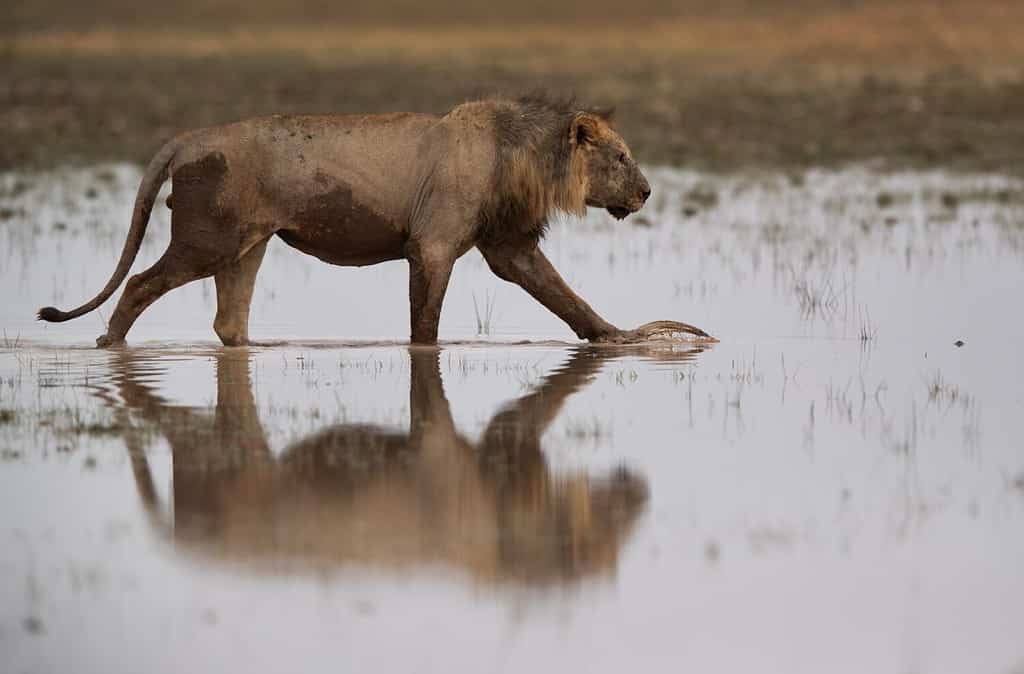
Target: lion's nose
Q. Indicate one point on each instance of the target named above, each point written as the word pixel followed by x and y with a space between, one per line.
pixel 645 192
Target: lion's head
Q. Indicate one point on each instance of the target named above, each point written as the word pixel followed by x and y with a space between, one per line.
pixel 554 156
pixel 612 177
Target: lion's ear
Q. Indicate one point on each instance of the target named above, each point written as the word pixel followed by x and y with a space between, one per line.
pixel 607 114
pixel 584 129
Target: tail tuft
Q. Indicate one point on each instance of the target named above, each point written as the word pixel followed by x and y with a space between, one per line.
pixel 155 175
pixel 52 315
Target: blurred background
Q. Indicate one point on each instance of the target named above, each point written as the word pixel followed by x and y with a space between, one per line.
pixel 714 85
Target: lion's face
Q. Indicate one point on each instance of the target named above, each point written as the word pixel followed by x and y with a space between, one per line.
pixel 578 528
pixel 614 180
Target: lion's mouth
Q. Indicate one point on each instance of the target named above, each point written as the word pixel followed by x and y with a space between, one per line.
pixel 618 212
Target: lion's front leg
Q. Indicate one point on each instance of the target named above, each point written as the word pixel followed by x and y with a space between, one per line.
pixel 527 266
pixel 430 267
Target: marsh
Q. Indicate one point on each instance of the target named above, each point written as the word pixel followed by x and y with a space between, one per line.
pixel 835 486
pixel 837 458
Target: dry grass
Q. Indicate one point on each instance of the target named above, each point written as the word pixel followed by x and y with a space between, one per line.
pixel 908 39
pixel 747 83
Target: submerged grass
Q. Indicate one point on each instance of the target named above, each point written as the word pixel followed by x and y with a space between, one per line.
pixel 866 331
pixel 594 429
pixel 945 393
pixel 485 314
pixel 817 297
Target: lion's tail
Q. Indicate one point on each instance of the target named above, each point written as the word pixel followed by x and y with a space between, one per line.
pixel 154 177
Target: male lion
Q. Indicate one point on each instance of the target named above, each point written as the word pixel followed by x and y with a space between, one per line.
pixel 358 190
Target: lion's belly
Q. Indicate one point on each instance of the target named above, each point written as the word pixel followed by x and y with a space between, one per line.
pixel 349 247
pixel 338 229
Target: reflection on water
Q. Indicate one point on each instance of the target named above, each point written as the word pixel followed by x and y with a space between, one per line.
pixel 842 474
pixel 356 492
pixel 161 504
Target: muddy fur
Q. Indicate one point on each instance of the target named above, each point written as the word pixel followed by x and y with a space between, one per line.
pixel 539 170
pixel 361 189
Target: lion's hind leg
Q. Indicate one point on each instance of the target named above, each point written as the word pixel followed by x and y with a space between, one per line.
pixel 176 267
pixel 235 284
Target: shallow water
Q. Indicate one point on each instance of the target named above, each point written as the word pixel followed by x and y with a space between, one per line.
pixel 836 486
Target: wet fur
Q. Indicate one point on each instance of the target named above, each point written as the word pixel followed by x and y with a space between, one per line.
pixel 357 190
pixel 538 170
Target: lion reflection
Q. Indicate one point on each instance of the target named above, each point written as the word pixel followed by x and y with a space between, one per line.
pixel 363 494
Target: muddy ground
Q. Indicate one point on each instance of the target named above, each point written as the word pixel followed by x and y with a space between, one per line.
pixel 749 84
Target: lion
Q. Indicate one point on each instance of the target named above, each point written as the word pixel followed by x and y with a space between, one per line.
pixel 390 497
pixel 357 190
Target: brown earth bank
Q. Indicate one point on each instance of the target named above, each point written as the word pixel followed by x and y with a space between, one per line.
pixel 745 85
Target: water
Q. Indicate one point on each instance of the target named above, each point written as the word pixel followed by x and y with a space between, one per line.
pixel 835 486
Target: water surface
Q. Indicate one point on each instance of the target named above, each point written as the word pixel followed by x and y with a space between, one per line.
pixel 836 486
